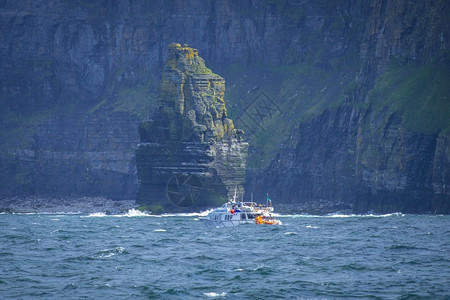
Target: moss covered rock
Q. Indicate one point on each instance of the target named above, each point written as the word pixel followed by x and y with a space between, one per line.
pixel 190 153
pixel 191 100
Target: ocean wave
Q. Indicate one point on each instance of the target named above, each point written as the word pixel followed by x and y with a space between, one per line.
pixel 312 227
pixel 339 215
pixel 396 214
pixel 137 213
pixel 213 294
pixel 45 213
pixel 96 215
pixel 317 263
pixel 291 233
pixel 194 214
pixel 130 213
pixel 107 253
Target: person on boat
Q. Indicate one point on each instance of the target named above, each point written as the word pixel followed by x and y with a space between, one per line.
pixel 258 220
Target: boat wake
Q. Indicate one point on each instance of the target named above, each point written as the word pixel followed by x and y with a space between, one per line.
pixel 339 215
pixel 137 213
pixel 130 213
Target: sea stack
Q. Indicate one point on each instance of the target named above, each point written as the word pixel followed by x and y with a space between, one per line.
pixel 190 156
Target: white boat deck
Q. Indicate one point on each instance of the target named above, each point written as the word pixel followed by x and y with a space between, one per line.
pixel 236 213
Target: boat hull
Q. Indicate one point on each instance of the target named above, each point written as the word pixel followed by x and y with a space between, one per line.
pixel 229 223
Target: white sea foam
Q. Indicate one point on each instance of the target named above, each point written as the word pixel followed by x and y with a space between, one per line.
pixel 339 215
pixel 259 267
pixel 291 233
pixel 297 216
pixel 195 214
pixel 397 214
pixel 313 227
pixel 58 213
pixel 130 213
pixel 111 252
pixel 136 213
pixel 212 294
pixel 95 215
pixel 159 230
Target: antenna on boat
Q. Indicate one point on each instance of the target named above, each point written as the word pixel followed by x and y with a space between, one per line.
pixel 269 202
pixel 235 191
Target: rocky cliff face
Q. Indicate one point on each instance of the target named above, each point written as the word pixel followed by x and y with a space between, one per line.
pixel 75 155
pixel 77 78
pixel 338 163
pixel 383 146
pixel 190 155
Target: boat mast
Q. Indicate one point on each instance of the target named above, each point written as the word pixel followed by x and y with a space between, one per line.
pixel 235 191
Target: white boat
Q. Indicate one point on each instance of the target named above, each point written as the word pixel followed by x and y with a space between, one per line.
pixel 236 213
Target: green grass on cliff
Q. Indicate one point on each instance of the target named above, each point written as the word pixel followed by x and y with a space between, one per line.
pixel 297 92
pixel 137 98
pixel 420 93
pixel 302 91
pixel 199 67
pixel 20 128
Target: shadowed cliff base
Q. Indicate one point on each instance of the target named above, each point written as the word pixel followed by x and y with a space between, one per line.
pixel 74 205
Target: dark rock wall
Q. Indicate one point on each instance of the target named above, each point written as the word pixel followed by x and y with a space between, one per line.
pixel 360 157
pixel 85 71
pixel 340 160
pixel 75 155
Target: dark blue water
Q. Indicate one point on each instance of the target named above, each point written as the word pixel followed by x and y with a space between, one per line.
pixel 176 257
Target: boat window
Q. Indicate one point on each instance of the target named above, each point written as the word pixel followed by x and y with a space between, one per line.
pixel 242 216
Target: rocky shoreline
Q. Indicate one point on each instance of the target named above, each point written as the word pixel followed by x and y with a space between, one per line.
pixel 88 205
pixel 75 205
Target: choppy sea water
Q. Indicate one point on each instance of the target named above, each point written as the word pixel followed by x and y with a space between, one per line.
pixel 137 256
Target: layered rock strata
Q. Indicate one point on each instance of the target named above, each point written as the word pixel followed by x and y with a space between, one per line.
pixel 382 149
pixel 190 153
pixel 62 60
